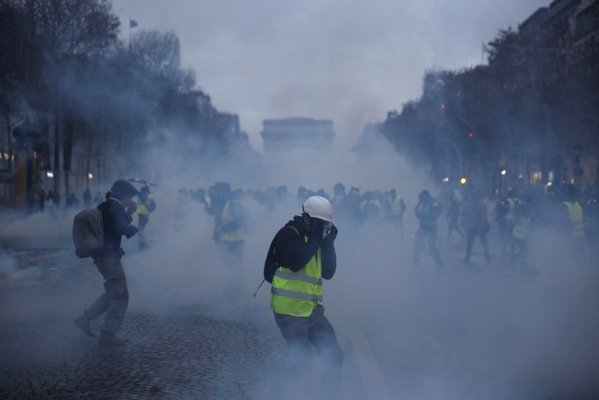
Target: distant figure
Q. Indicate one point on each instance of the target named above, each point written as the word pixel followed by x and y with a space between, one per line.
pixel 476 223
pixel 229 220
pixel 115 299
pixel 521 233
pixel 72 201
pixel 505 218
pixel 42 199
pixel 98 198
pixel 56 199
pixel 572 223
pixel 87 198
pixel 50 204
pixel 452 215
pixel 397 209
pixel 428 210
pixel 145 206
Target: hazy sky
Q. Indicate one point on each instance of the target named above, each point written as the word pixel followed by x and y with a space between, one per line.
pixel 351 61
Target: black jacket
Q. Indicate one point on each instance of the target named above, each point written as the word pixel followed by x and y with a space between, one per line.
pixel 116 224
pixel 290 249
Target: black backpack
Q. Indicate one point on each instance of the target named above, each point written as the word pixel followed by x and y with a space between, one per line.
pixel 271 264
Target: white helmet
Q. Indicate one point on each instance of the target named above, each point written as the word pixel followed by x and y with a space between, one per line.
pixel 318 207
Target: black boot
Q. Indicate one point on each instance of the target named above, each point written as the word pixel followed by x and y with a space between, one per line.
pixel 83 323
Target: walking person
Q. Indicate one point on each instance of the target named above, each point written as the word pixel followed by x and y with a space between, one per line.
pixel 521 234
pixel 300 256
pixel 476 223
pixel 397 207
pixel 114 301
pixel 453 214
pixel 145 206
pixel 428 210
pixel 229 220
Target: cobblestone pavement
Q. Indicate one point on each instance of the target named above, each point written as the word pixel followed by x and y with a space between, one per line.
pixel 183 353
pixel 172 357
pixel 176 355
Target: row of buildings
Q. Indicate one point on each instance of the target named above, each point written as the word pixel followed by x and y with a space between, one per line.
pixel 36 156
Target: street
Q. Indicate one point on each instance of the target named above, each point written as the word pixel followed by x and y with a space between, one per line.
pixel 470 331
pixel 182 353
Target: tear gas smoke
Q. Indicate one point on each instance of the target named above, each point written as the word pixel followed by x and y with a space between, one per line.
pixel 485 332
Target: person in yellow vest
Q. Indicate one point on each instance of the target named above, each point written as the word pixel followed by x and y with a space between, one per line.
pixel 229 218
pixel 146 205
pixel 396 212
pixel 505 218
pixel 300 256
pixel 371 207
pixel 522 217
pixel 573 222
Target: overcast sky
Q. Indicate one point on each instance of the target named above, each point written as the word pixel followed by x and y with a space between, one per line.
pixel 350 61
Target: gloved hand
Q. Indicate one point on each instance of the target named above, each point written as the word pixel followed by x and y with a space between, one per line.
pixel 330 238
pixel 316 230
pixel 131 232
pixel 333 233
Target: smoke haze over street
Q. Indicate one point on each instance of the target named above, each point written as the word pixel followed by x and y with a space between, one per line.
pixel 350 61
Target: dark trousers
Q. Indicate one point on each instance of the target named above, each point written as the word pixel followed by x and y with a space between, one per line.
pixel 519 252
pixel 301 333
pixel 115 299
pixel 428 233
pixel 233 249
pixel 141 231
pixel 471 234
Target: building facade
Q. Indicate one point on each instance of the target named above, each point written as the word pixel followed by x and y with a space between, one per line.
pixel 282 135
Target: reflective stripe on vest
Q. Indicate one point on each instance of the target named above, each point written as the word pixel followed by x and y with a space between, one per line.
pixel 576 217
pixel 235 235
pixel 298 277
pixel 298 293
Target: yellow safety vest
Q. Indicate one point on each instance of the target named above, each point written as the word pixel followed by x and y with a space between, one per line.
pixel 375 204
pixel 511 214
pixel 235 235
pixel 396 206
pixel 297 293
pixel 143 207
pixel 424 213
pixel 577 219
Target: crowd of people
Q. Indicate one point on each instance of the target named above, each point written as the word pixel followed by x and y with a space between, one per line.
pixel 512 219
pixel 302 253
pixel 51 201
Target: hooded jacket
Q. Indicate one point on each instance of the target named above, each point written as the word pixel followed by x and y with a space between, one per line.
pixel 290 248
